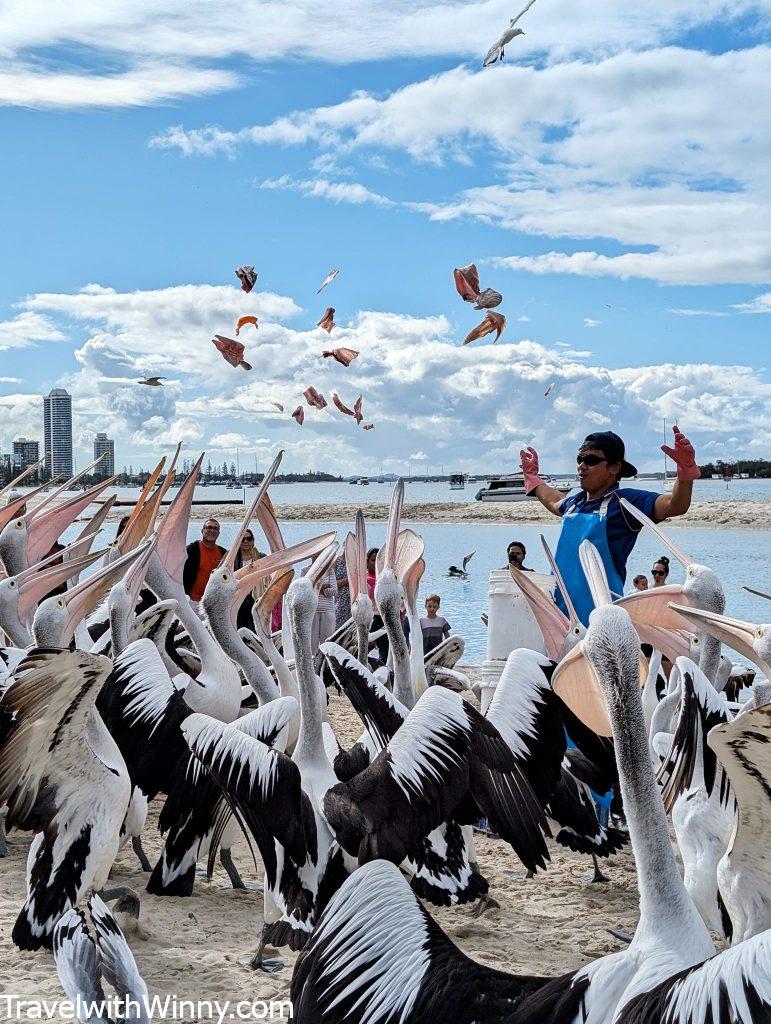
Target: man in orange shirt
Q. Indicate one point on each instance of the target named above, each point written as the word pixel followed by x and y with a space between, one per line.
pixel 203 557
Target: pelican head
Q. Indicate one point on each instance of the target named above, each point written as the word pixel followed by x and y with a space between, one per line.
pixel 749 639
pixel 301 597
pixel 355 548
pixel 57 617
pixel 125 593
pixel 612 648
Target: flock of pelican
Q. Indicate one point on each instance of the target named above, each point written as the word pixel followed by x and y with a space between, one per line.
pixel 114 693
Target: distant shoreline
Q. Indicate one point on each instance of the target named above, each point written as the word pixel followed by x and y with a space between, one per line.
pixel 711 515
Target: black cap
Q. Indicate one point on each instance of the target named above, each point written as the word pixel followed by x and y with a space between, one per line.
pixel 612 447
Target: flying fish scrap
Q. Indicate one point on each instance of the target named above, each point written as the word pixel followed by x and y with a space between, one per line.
pixel 247 277
pixel 152 382
pixel 343 355
pixel 368 426
pixel 467 285
pixel 327 322
pixel 314 398
pixel 343 408
pixel 488 299
pixel 278 405
pixel 492 322
pixel 357 410
pixel 232 351
pixel 243 321
pixel 299 414
pixel 328 280
pixel 549 390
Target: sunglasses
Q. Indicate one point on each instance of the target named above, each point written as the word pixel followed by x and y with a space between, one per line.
pixel 657 572
pixel 247 537
pixel 589 460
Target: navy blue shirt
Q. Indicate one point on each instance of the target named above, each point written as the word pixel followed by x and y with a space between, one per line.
pixel 621 528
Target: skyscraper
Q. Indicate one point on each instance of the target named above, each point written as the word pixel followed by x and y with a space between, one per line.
pixel 25 453
pixel 102 444
pixel 57 422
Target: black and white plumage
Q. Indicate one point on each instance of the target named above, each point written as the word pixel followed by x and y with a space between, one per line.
pixel 572 808
pixel 744 873
pixel 461 570
pixel 63 777
pixel 83 962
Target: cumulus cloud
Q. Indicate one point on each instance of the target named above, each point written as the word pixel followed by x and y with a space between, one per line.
pixel 760 304
pixel 337 191
pixel 27 329
pixel 588 322
pixel 229 441
pixel 20 416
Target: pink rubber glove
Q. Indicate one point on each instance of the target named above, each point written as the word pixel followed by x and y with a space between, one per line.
pixel 683 456
pixel 529 466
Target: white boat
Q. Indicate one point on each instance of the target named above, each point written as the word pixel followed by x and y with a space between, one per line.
pixel 457 481
pixel 364 481
pixel 512 488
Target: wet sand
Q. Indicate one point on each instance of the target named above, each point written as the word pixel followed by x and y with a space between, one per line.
pixel 743 515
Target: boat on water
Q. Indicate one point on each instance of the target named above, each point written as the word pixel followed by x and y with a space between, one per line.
pixel 512 488
pixel 457 481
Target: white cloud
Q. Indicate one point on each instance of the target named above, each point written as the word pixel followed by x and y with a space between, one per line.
pixel 418 457
pixel 524 319
pixel 697 312
pixel 10 380
pixel 228 441
pixel 20 416
pixel 27 329
pixel 588 322
pixel 760 304
pixel 338 191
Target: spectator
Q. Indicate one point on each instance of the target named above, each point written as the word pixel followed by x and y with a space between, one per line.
pixel 203 557
pixel 515 553
pixel 248 554
pixel 343 595
pixel 640 582
pixel 433 626
pixel 660 571
pixel 324 619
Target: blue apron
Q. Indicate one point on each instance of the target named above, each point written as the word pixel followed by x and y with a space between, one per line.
pixel 578 527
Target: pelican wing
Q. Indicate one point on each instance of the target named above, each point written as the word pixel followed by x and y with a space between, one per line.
pixel 270 723
pixel 118 964
pixel 572 807
pixel 77 960
pixel 44 712
pixel 411 787
pixel 261 785
pixel 732 987
pixel 744 749
pixel 381 713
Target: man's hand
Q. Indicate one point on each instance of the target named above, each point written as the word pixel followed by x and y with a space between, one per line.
pixel 529 466
pixel 683 456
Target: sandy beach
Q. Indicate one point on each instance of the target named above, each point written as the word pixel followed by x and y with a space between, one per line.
pixel 189 948
pixel 744 515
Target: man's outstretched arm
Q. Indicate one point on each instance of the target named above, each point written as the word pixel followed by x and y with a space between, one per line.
pixel 549 497
pixel 684 457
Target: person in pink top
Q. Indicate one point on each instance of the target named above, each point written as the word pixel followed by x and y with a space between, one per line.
pixel 377 622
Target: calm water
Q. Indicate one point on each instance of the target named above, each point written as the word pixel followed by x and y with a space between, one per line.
pixel 740 557
pixel 344 493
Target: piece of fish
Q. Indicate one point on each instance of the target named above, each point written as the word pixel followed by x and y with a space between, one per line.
pixel 492 322
pixel 342 355
pixel 232 351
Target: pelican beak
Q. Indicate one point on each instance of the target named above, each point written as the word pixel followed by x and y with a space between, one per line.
pixel 83 598
pixel 277 589
pixel 172 531
pixel 654 607
pixel 143 497
pixel 595 574
pixel 229 561
pixel 135 576
pixel 411 581
pixel 138 526
pixel 355 549
pixel 386 556
pixel 672 643
pixel 18 479
pixel 757 593
pixel 94 525
pixel 739 635
pixel 43 528
pixel 34 583
pixel 573 617
pixel 13 511
pixel 266 517
pixel 553 624
pixel 67 485
pixel 409 550
pixel 320 566
pixel 248 577
pixel 575 683
pixel 674 550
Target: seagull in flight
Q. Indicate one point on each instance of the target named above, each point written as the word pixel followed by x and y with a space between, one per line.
pixel 152 382
pixel 496 51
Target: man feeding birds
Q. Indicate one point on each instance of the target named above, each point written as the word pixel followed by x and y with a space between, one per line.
pixel 595 513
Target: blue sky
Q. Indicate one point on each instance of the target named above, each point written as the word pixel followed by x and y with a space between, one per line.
pixel 609 178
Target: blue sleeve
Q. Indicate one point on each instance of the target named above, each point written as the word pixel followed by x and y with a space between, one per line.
pixel 644 500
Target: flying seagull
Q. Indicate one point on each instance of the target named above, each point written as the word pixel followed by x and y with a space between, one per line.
pixel 152 382
pixel 496 51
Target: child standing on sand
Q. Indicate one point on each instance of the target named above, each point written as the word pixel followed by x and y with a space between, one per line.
pixel 433 626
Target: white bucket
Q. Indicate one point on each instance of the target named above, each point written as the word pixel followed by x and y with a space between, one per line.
pixel 511 625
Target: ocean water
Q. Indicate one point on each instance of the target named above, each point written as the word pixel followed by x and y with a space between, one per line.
pixel 740 558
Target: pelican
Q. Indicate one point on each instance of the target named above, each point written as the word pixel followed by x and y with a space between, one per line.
pixel 377 953
pixel 355 548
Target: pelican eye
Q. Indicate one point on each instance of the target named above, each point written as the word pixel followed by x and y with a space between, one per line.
pixel 11 584
pixel 761 633
pixel 691 574
pixel 225 575
pixel 60 602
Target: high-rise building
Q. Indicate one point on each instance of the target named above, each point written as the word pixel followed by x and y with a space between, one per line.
pixel 25 453
pixel 57 422
pixel 104 444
